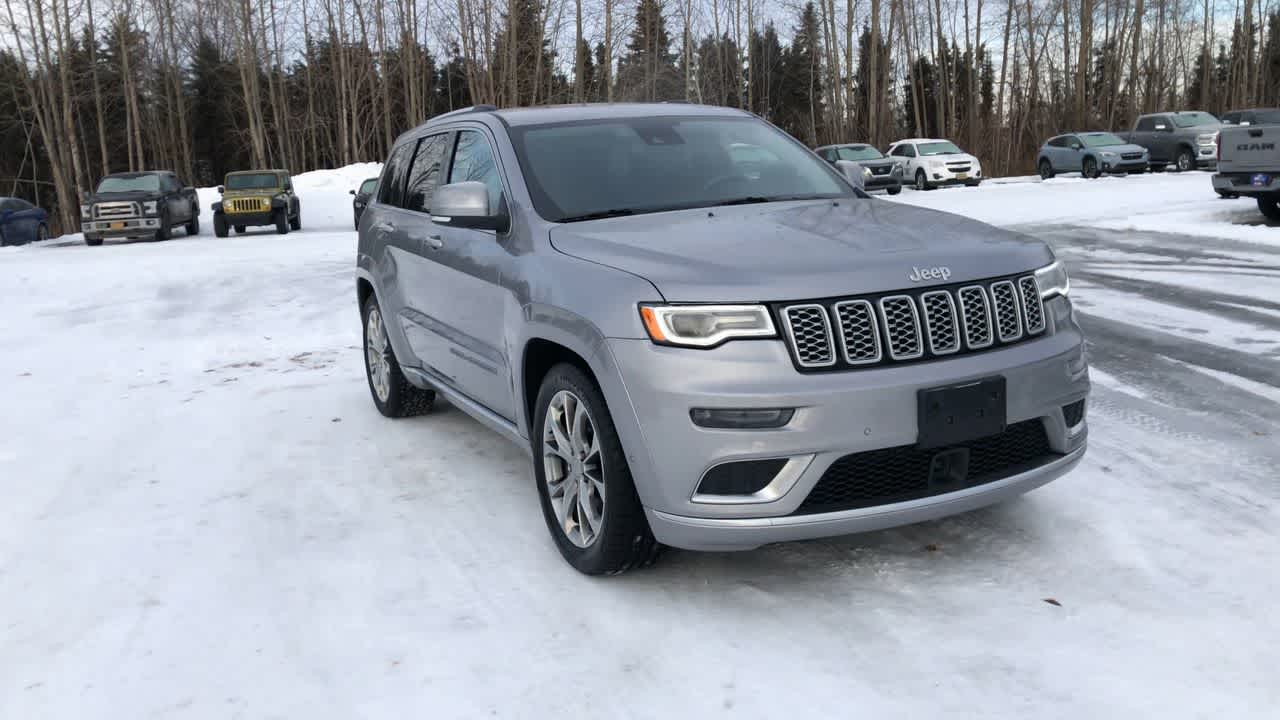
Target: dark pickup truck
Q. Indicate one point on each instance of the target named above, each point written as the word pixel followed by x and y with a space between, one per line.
pixel 138 205
pixel 1249 164
pixel 1182 139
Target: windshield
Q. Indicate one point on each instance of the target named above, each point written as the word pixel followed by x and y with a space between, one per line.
pixel 138 183
pixel 581 170
pixel 858 152
pixel 366 187
pixel 1101 140
pixel 1192 119
pixel 942 147
pixel 252 181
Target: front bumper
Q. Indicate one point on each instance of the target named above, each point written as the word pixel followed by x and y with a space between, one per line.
pixel 132 227
pixel 945 177
pixel 1123 166
pixel 882 182
pixel 1241 183
pixel 249 219
pixel 836 414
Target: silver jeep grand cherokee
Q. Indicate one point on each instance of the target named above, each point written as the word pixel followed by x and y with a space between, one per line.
pixel 705 347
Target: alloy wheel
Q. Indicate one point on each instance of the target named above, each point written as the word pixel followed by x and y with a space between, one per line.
pixel 573 468
pixel 376 355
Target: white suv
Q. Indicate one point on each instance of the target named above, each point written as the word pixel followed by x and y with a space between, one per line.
pixel 934 163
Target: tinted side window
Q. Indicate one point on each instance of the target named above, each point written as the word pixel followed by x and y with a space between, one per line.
pixel 7 204
pixel 1146 124
pixel 390 191
pixel 1054 142
pixel 473 161
pixel 424 174
pixel 20 204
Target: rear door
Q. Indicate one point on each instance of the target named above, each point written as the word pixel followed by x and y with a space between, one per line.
pixel 1163 138
pixel 1142 134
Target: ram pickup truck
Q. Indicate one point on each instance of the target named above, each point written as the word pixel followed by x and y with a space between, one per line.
pixel 1183 139
pixel 1249 165
pixel 138 205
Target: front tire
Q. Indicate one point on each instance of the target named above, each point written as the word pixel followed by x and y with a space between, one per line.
pixel 1267 206
pixel 42 233
pixel 922 183
pixel 892 191
pixel 164 232
pixel 393 394
pixel 93 242
pixel 239 229
pixel 1090 169
pixel 1046 170
pixel 282 222
pixel 588 498
pixel 1186 161
pixel 220 228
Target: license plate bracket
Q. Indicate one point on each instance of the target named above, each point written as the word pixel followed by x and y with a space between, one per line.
pixel 958 413
pixel 962 176
pixel 117 226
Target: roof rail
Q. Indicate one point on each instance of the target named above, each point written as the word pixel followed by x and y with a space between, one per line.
pixel 463 111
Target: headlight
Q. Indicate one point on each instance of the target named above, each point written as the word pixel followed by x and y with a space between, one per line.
pixel 1207 138
pixel 1108 154
pixel 149 207
pixel 704 326
pixel 1053 280
pixel 86 212
pixel 897 169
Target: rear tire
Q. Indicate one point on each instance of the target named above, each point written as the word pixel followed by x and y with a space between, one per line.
pixel 393 394
pixel 220 226
pixel 1268 207
pixel 282 222
pixel 603 530
pixel 1046 170
pixel 193 225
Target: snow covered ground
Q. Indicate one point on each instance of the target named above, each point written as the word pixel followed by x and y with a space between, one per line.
pixel 202 515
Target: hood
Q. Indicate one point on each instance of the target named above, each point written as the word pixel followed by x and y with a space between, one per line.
pixel 882 162
pixel 955 157
pixel 134 195
pixel 1119 149
pixel 252 192
pixel 798 250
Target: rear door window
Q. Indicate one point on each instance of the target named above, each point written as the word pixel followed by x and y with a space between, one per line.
pixel 425 173
pixel 1146 124
pixel 390 187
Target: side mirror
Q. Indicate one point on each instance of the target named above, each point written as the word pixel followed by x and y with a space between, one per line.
pixel 351 192
pixel 221 189
pixel 1077 146
pixel 84 196
pixel 466 205
pixel 188 188
pixel 853 172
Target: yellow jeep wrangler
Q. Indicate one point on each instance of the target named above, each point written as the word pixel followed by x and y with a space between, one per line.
pixel 257 197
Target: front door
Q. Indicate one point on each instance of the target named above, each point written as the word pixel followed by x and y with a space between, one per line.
pixel 472 264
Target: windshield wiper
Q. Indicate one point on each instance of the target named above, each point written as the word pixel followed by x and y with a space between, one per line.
pixel 748 200
pixel 598 215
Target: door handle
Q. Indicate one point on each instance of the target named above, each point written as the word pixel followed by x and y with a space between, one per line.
pixel 384 228
pixel 434 242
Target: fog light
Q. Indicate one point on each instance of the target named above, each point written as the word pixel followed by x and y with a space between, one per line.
pixel 745 477
pixel 752 419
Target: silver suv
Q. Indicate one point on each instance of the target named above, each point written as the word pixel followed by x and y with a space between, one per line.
pixel 705 355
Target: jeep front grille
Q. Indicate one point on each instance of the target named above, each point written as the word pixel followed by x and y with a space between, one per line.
pixel 917 325
pixel 116 210
pixel 247 205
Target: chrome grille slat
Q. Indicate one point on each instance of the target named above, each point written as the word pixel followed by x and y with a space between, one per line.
pixel 859 332
pixel 901 327
pixel 116 210
pixel 1007 311
pixel 939 311
pixel 975 317
pixel 809 329
pixel 1032 306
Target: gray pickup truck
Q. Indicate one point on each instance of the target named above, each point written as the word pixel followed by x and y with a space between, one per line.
pixel 1183 139
pixel 1249 163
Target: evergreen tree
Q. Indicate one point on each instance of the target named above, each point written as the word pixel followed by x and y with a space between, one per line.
pixel 534 61
pixel 802 110
pixel 647 71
